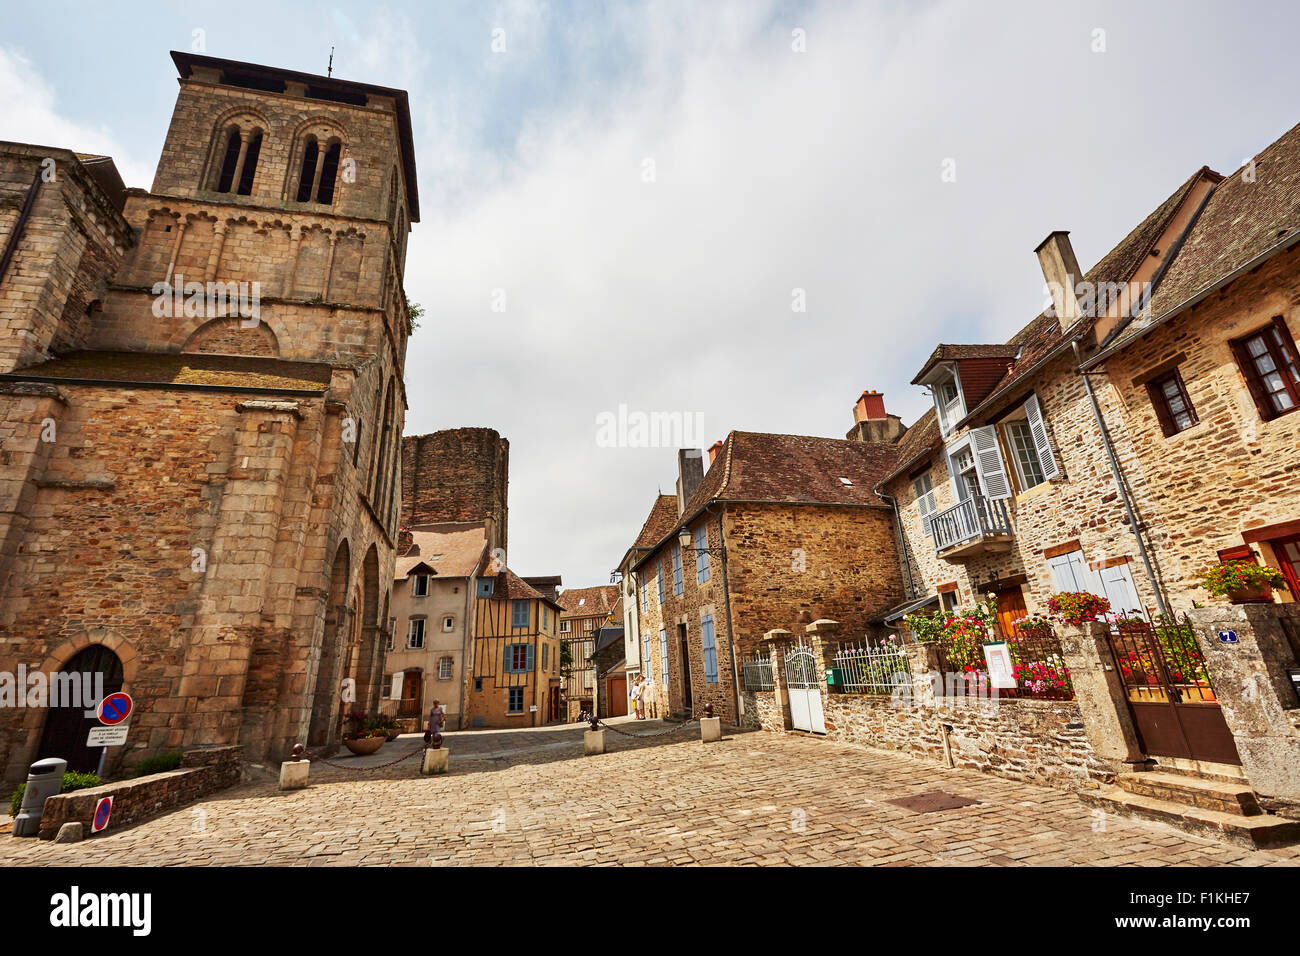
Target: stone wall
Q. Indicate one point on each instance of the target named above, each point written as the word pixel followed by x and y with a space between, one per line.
pixel 457 475
pixel 201 772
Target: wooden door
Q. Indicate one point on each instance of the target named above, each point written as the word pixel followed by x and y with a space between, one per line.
pixel 411 703
pixel 1011 608
pixel 685 651
pixel 617 703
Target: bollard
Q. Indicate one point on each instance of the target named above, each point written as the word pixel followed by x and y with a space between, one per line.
pixel 435 760
pixel 710 726
pixel 44 779
pixel 294 771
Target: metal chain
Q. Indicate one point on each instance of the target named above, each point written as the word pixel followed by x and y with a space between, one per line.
pixel 321 758
pixel 657 733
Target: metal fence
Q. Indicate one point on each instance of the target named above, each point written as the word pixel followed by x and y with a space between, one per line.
pixel 862 669
pixel 1036 657
pixel 757 673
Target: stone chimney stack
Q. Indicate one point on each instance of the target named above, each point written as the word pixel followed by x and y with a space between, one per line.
pixel 871 423
pixel 1062 273
pixel 713 451
pixel 690 472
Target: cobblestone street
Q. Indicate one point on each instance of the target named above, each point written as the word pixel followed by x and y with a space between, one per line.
pixel 530 797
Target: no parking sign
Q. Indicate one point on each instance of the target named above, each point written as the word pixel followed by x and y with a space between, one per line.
pixel 115 708
pixel 102 811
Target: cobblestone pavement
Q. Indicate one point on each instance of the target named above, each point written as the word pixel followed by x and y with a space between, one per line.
pixel 530 797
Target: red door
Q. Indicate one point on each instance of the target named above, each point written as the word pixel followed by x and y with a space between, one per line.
pixel 616 701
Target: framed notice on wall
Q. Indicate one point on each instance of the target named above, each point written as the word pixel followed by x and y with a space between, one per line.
pixel 1002 674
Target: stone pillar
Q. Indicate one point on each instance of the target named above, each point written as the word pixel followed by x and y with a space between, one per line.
pixel 214 256
pixel 245 137
pixel 1100 693
pixel 295 243
pixel 927 675
pixel 776 640
pixel 1248 650
pixel 176 250
pixel 821 633
pixel 593 742
pixel 329 272
pixel 435 760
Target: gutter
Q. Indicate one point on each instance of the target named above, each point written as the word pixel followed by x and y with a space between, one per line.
pixel 20 225
pixel 1118 475
pixel 902 541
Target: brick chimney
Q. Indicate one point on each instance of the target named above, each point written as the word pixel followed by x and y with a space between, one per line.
pixel 1062 273
pixel 871 423
pixel 690 472
pixel 713 451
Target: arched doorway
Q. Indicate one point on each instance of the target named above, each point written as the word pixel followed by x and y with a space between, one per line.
pixel 329 672
pixel 67 725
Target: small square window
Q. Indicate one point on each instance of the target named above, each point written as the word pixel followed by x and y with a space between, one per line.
pixel 448 623
pixel 478 683
pixel 515 700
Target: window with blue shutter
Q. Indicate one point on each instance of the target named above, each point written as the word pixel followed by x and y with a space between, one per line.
pixel 645 596
pixel 663 658
pixel 701 556
pixel 710 650
pixel 518 613
pixel 545 657
pixel 518 659
pixel 677 569
pixel 645 654
pixel 485 587
pixel 659 579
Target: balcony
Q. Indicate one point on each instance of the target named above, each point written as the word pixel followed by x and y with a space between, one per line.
pixel 975 527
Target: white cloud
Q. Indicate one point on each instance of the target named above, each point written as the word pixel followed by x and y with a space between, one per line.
pixel 32 115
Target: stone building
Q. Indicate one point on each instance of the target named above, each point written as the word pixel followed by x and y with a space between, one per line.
pixel 514 676
pixel 457 475
pixel 585 611
pixel 784 529
pixel 201 401
pixel 436 576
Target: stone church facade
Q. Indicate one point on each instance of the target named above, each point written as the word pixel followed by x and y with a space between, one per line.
pixel 202 493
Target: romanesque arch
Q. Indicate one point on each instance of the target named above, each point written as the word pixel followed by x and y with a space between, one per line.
pixel 333 651
pixel 231 336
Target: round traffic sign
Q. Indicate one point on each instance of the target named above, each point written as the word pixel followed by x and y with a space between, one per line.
pixel 102 811
pixel 115 708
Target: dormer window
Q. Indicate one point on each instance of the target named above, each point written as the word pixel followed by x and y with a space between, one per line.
pixel 948 401
pixel 421 588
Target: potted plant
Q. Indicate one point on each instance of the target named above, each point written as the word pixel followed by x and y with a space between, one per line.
pixel 1077 608
pixel 364 735
pixel 1242 582
pixel 389 724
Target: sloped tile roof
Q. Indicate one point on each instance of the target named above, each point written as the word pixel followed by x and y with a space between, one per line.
pixel 587 602
pixel 158 368
pixel 661 520
pixel 948 353
pixel 1241 220
pixel 451 554
pixel 762 467
pixel 917 444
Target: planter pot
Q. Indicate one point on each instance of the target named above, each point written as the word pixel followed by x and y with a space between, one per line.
pixel 1263 595
pixel 392 733
pixel 364 746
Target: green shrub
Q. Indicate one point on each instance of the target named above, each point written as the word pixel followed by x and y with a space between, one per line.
pixel 159 764
pixel 71 781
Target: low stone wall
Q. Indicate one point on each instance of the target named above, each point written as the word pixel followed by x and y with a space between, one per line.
pixel 761 712
pixel 1039 741
pixel 201 772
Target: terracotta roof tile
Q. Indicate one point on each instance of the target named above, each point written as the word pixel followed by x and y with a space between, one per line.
pixel 452 554
pixel 661 520
pixel 586 602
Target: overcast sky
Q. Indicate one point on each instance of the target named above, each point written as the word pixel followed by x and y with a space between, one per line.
pixel 644 187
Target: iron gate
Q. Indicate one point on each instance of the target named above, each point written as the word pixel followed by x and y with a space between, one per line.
pixel 804 690
pixel 1170 693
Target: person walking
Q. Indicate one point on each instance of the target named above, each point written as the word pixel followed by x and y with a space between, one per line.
pixel 437 718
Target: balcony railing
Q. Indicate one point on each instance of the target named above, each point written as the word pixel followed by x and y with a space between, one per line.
pixel 973 523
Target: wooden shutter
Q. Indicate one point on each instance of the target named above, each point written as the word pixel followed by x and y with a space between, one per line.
pixel 1161 405
pixel 1038 431
pixel 528 663
pixel 1253 382
pixel 928 511
pixel 988 462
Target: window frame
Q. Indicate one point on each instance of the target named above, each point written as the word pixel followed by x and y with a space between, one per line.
pixel 926 501
pixel 677 569
pixel 566 627
pixel 511 692
pixel 508 662
pixel 1166 417
pixel 410 634
pixel 709 646
pixel 701 554
pixel 517 605
pixel 421 580
pixel 450 664
pixel 1285 358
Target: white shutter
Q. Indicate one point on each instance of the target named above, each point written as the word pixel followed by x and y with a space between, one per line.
pixel 1118 586
pixel 1069 573
pixel 396 693
pixel 988 462
pixel 928 510
pixel 1046 460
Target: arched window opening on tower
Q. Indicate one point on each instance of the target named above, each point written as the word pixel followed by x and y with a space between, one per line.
pixel 329 172
pixel 227 174
pixel 250 163
pixel 310 153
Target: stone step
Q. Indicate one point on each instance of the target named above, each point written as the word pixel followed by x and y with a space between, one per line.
pixel 1200 792
pixel 1255 832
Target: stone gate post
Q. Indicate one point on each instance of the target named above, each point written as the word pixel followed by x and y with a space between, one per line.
pixel 1103 702
pixel 1249 650
pixel 821 634
pixel 776 641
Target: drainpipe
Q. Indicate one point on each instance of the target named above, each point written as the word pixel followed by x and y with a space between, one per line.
pixel 902 542
pixel 466 649
pixel 16 234
pixel 731 638
pixel 1119 484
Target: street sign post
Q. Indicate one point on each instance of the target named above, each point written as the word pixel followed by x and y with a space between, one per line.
pixel 115 709
pixel 107 736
